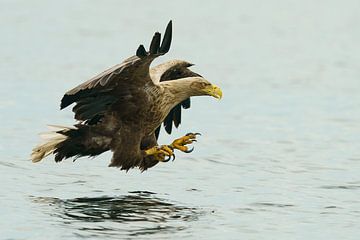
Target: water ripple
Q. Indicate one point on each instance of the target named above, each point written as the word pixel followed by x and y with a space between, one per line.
pixel 212 160
pixel 152 214
pixel 348 187
pixel 11 165
pixel 268 204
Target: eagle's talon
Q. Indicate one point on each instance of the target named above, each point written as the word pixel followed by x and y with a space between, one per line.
pixel 194 134
pixel 160 153
pixel 167 159
pixel 189 151
pixel 181 143
pixel 171 157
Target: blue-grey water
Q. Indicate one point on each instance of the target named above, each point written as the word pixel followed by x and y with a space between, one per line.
pixel 279 156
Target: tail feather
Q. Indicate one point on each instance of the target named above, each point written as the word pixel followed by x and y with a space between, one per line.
pixel 52 140
pixel 67 142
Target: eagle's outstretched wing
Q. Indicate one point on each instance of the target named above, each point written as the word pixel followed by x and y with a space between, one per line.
pixel 94 97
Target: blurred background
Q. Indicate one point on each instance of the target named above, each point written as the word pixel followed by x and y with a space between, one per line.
pixel 279 155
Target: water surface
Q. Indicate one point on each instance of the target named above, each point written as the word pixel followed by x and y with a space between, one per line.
pixel 278 157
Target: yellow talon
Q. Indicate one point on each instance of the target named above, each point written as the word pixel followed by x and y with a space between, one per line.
pixel 181 142
pixel 159 153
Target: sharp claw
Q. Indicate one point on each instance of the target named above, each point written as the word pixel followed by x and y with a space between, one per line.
pixel 196 134
pixel 189 151
pixel 167 159
pixel 181 143
pixel 173 157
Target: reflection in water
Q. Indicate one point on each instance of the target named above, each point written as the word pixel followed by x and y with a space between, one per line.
pixel 137 213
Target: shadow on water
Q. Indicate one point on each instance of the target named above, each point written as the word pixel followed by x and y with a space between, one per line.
pixel 135 214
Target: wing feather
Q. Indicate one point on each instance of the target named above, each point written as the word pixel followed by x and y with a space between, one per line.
pixel 96 96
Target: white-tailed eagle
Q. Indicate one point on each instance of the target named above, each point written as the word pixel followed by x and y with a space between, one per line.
pixel 122 110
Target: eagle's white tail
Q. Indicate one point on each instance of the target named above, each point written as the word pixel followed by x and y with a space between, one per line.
pixel 52 139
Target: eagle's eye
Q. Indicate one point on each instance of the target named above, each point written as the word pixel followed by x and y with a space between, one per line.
pixel 204 84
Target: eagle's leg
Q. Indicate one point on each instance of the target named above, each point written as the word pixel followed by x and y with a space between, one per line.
pixel 181 142
pixel 160 152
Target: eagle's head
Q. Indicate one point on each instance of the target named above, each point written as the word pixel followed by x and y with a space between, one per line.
pixel 200 86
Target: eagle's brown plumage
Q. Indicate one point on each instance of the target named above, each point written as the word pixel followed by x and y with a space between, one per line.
pixel 122 108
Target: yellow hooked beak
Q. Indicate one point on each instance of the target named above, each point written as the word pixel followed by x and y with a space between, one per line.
pixel 214 91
